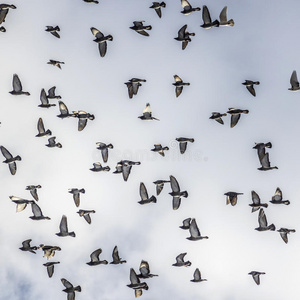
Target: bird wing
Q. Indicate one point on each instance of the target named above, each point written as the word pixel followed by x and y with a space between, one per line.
pixel 181 32
pixel 3 13
pixel 66 283
pixel 51 92
pixel 36 210
pixel 56 34
pixel 284 236
pixel 87 218
pixel 143 32
pixel 50 270
pixel 265 162
pixel 186 222
pixel 26 244
pixel 184 44
pixel 182 147
pixel 185 4
pixel 176 202
pixel 178 90
pixel 63 226
pixel 144 268
pixel 17 86
pixel 206 15
pixel 262 219
pixel 174 184
pixel 130 89
pixel 158 11
pixel 138 293
pixel 135 87
pixel 177 78
pixel 126 171
pixel 197 275
pixel 95 255
pixel 147 109
pixel 143 192
pixel 81 124
pixel 194 230
pixel 138 23
pixel 251 89
pixel 102 48
pixel 115 254
pixel 159 188
pixel 294 80
pixel 76 198
pixel 40 126
pixel 234 120
pixel 51 141
pixel 12 168
pixel 180 258
pixel 97 33
pixel 133 278
pixel 43 97
pixel 256 278
pixel 223 15
pixel 63 108
pixel 255 197
pixel 278 195
pixel 6 153
pixel 104 153
pixel 34 194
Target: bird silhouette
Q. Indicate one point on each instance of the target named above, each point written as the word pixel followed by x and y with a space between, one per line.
pixel 194 232
pixel 294 82
pixel 157 7
pixel 144 195
pixel 180 261
pixel 76 195
pixel 95 258
pixel 187 8
pixel 136 284
pixel 70 289
pixel 197 276
pixel 50 267
pixel 262 221
pixel 10 160
pixel 41 129
pixel 255 275
pixel 116 258
pixel 231 197
pixel 140 28
pixel 101 40
pixel 179 84
pixel 53 30
pixel 256 203
pixel 86 214
pixel 63 228
pixel 176 193
pixel 26 246
pixel 147 114
pixel 250 86
pixel 223 18
pixel 207 23
pixel 17 86
pixel 277 198
pixel 184 36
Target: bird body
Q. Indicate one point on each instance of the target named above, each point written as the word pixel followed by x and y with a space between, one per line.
pixel 116 258
pixel 76 195
pixel 159 149
pixel 52 143
pixel 104 150
pixel 218 117
pixel 140 28
pixel 41 129
pixel 33 191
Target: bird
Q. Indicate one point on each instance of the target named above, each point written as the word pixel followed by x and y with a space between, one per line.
pixel 136 284
pixel 261 149
pixel 26 246
pixel 4 8
pixel 17 87
pixel 86 214
pixel 176 193
pixel 256 204
pixel 63 228
pixel 126 167
pixel 140 28
pixel 160 185
pixel 183 143
pixel 95 258
pixel 265 163
pixel 277 198
pixel 159 149
pixel 249 85
pixel 157 7
pixel 98 167
pixel 133 85
pixel 53 30
pixel 49 251
pixel 294 82
pixel 76 194
pixel 104 150
pixel 64 112
pixel 91 1
pixel 231 197
pixel 51 93
pixel 52 143
pixel 145 270
pixel 262 221
pixel 33 191
pixel 144 195
pixel 70 289
pixel 284 232
pixel 179 84
pixel 207 23
pixel 197 276
pixel 218 117
pixel 55 63
pixel 194 232
pixel 147 114
pixel 37 213
pixel 180 261
pixel 21 203
pixel 186 224
pixel 235 115
pixel 44 100
pixel 116 258
pixel 255 275
pixel 187 8
pixel 223 18
pixel 50 267
pixel 184 36
pixel 83 117
pixel 101 40
pixel 10 160
pixel 41 129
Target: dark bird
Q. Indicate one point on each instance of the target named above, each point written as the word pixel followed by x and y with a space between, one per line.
pixel 33 191
pixel 256 204
pixel 140 28
pixel 52 143
pixel 95 258
pixel 17 87
pixel 218 117
pixel 207 23
pixel 145 270
pixel 76 194
pixel 91 1
pixel 223 18
pixel 262 221
pixel 64 112
pixel 186 224
pixel 179 84
pixel 261 149
pixel 255 275
pixel 104 150
pixel 294 82
pixel 51 93
pixel 83 117
pixel 49 251
pixel 194 232
pixel 21 203
pixel 160 185
pixel 86 214
pixel 50 267
pixel 4 8
pixel 231 197
pixel 124 167
pixel 183 143
pixel 44 100
pixel 144 195
pixel 26 246
pixel 284 232
pixel 265 163
pixel 187 8
pixel 63 228
pixel 249 85
pixel 133 85
pixel 70 289
pixel 53 30
pixel 10 160
pixel 157 7
pixel 101 40
pixel 277 198
pixel 235 115
pixel 55 63
pixel 197 276
pixel 41 129
pixel 37 213
pixel 184 36
pixel 176 193
pixel 147 114
pixel 159 149
pixel 98 167
pixel 116 258
pixel 180 261
pixel 136 284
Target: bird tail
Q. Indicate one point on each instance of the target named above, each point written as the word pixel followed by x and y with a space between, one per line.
pixel 268 145
pixel 18 157
pixel 185 194
pixel 82 191
pixel 163 4
pixel 286 202
pixel 153 199
pixel 271 227
pixel 78 288
pixel 72 234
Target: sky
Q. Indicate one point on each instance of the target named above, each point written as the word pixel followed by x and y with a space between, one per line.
pixel 261 46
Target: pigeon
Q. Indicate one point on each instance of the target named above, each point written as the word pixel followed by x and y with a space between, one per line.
pixel 277 198
pixel 101 40
pixel 55 63
pixel 136 284
pixel 180 261
pixel 157 7
pixel 91 1
pixel 186 224
pixel 37 213
pixel 231 197
pixel 53 30
pixel 76 194
pixel 17 87
pixel 218 117
pixel 33 191
pixel 179 84
pixel 176 193
pixel 158 148
pixel 194 232
pixel 86 214
pixel 63 228
pixel 49 251
pixel 83 117
pixel 4 8
pixel 64 112
pixel 284 232
pixel 207 23
pixel 26 246
pixel 160 185
pixel 261 149
pixel 70 289
pixel 235 115
pixel 183 143
pixel 104 150
pixel 265 163
pixel 116 258
pixel 124 167
pixel 50 267
pixel 21 203
pixel 51 93
pixel 133 86
pixel 256 205
pixel 223 18
pixel 147 114
pixel 187 8
pixel 184 36
pixel 41 129
pixel 262 221
pixel 52 143
pixel 145 270
pixel 10 160
pixel 249 85
pixel 144 195
pixel 294 82
pixel 98 167
pixel 44 100
pixel 255 276
pixel 95 258
pixel 197 276
pixel 140 28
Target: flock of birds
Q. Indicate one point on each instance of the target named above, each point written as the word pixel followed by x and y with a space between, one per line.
pixel 125 166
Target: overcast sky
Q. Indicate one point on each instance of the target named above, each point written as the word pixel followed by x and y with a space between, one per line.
pixel 261 46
